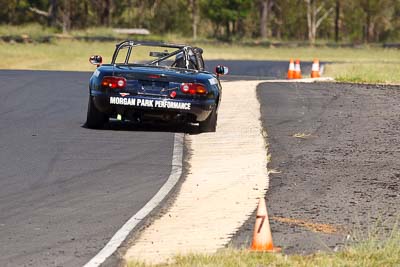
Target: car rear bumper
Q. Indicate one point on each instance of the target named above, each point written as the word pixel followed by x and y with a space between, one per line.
pixel 196 110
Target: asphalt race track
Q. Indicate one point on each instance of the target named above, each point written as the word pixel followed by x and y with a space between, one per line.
pixel 64 189
pixel 249 70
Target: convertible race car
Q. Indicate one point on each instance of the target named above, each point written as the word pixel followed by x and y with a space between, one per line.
pixel 157 82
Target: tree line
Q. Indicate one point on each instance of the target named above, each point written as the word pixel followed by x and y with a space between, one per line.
pixel 305 20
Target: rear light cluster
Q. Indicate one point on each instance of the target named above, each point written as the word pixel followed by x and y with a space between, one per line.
pixel 113 82
pixel 193 89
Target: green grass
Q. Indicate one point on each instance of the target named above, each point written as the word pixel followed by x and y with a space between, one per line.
pixel 371 65
pixel 62 55
pixel 38 33
pixel 365 54
pixel 378 72
pixel 373 252
pixel 34 31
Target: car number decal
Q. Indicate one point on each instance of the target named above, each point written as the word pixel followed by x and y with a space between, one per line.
pixel 96 73
pixel 149 103
pixel 213 81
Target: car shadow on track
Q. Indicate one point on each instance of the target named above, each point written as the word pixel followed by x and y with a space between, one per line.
pixel 149 127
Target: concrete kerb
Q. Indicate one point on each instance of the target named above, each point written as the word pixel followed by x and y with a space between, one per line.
pixel 227 190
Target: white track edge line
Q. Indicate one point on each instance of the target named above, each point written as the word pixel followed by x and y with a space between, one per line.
pixel 125 230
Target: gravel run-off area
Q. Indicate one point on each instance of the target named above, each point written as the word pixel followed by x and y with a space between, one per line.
pixel 335 169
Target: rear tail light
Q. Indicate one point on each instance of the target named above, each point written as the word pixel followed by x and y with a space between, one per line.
pixel 193 88
pixel 113 82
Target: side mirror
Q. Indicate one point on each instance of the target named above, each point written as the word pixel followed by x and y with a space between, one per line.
pixel 221 70
pixel 96 60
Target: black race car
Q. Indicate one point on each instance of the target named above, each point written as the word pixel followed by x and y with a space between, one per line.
pixel 157 82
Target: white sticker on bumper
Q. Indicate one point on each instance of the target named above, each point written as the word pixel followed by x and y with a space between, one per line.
pixel 139 102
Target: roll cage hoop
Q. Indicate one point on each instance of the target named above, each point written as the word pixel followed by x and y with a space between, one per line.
pixel 192 55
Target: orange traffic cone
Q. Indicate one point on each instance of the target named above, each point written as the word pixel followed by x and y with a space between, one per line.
pixel 290 73
pixel 262 238
pixel 297 70
pixel 315 69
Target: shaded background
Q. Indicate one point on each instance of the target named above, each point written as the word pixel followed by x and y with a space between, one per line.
pixel 229 20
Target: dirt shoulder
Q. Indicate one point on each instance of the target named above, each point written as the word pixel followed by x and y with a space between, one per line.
pixel 336 151
pixel 226 176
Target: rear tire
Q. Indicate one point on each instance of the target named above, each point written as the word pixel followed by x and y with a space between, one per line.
pixel 210 124
pixel 95 119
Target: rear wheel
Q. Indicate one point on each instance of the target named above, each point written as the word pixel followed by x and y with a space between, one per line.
pixel 210 124
pixel 95 119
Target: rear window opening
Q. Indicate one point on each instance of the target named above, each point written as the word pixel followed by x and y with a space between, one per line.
pixel 183 57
